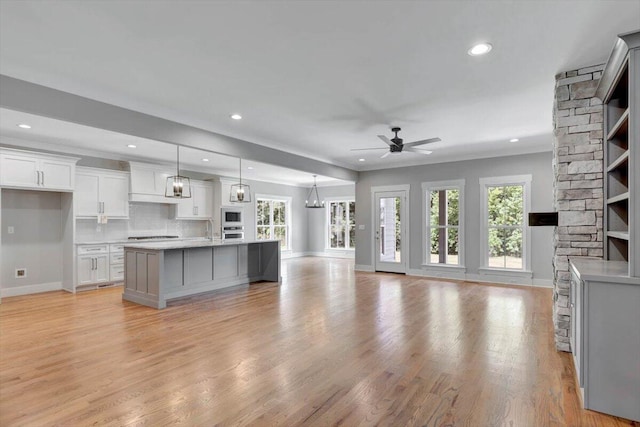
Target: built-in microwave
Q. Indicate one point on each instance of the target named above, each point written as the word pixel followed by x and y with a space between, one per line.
pixel 232 217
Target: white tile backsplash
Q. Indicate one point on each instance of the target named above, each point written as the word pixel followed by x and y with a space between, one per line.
pixel 145 219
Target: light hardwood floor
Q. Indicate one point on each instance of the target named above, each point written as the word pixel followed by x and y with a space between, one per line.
pixel 326 347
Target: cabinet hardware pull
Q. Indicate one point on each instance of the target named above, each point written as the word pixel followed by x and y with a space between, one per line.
pixel 42 172
pixel 38 177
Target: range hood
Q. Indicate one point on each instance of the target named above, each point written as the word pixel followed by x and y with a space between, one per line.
pixel 147 183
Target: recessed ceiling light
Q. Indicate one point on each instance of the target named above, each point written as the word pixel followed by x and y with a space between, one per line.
pixel 131 146
pixel 250 168
pixel 24 126
pixel 236 116
pixel 480 49
pixel 205 160
pixel 361 160
pixel 514 140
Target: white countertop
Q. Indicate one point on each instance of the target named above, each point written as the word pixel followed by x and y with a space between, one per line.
pixel 109 242
pixel 186 244
pixel 603 271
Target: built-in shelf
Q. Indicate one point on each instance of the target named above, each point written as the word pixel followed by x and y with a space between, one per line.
pixel 619 198
pixel 621 124
pixel 619 161
pixel 622 235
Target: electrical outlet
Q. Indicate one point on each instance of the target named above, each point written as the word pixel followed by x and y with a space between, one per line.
pixel 21 273
pixel 10 229
pixel 361 227
pixel 98 229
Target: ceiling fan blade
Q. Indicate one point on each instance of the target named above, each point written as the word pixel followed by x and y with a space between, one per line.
pixel 363 149
pixel 385 154
pixel 415 150
pixel 422 142
pixel 386 140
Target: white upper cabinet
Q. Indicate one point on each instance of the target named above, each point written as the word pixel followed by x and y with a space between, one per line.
pixel 36 171
pixel 101 192
pixel 200 205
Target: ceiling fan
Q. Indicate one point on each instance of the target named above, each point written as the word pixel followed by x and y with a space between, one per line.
pixel 396 146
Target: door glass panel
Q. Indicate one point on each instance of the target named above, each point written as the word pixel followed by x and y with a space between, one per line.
pixel 390 245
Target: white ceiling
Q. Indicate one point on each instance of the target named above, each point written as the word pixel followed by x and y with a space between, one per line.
pixel 70 138
pixel 320 77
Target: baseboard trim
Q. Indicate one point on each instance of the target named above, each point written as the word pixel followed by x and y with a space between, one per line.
pixel 30 289
pixel 331 254
pixel 482 278
pixel 364 267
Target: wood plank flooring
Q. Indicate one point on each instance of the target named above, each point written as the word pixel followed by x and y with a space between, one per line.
pixel 326 347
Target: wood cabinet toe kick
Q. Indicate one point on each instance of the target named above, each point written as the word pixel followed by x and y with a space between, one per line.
pixel 155 275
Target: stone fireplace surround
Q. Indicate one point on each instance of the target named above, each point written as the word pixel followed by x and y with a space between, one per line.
pixel 578 183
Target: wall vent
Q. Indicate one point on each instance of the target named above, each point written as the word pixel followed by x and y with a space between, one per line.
pixel 21 273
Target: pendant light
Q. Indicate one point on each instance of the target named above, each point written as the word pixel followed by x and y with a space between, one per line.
pixel 240 193
pixel 313 197
pixel 178 187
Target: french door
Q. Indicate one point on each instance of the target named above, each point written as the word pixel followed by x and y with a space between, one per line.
pixel 390 224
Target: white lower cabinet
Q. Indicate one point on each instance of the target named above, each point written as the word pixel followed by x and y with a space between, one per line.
pixel 93 269
pixel 99 264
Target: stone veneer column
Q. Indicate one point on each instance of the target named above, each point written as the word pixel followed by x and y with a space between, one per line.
pixel 578 183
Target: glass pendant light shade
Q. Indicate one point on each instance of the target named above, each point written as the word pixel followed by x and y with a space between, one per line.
pixel 240 193
pixel 178 187
pixel 313 199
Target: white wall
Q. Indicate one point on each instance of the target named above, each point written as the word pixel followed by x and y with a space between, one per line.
pixel 317 228
pixel 37 241
pixel 298 211
pixel 539 165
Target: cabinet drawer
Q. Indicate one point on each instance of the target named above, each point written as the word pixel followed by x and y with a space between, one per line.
pixel 116 248
pixel 117 258
pixel 116 272
pixel 93 249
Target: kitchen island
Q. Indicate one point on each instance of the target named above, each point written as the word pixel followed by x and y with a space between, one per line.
pixel 161 271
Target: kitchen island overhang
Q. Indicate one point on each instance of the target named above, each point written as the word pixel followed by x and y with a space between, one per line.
pixel 158 272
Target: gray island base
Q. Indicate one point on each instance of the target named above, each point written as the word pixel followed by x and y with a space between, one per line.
pixel 162 271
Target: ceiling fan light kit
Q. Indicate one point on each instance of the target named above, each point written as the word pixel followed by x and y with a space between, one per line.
pixel 396 145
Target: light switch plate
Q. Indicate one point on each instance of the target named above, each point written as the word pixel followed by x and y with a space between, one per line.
pixel 10 229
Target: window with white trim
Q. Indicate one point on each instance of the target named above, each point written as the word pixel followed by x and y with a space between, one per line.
pixel 505 235
pixel 341 220
pixel 273 219
pixel 443 237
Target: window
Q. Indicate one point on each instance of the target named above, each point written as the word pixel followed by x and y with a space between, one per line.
pixel 443 239
pixel 342 224
pixel 273 219
pixel 505 237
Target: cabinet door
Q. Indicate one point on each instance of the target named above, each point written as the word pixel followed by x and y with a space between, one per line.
pixel 114 195
pixel 56 174
pixel 86 194
pixel 101 268
pixel 85 270
pixel 185 207
pixel 18 170
pixel 203 199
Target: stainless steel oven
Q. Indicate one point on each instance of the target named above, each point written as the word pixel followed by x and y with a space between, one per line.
pixel 233 233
